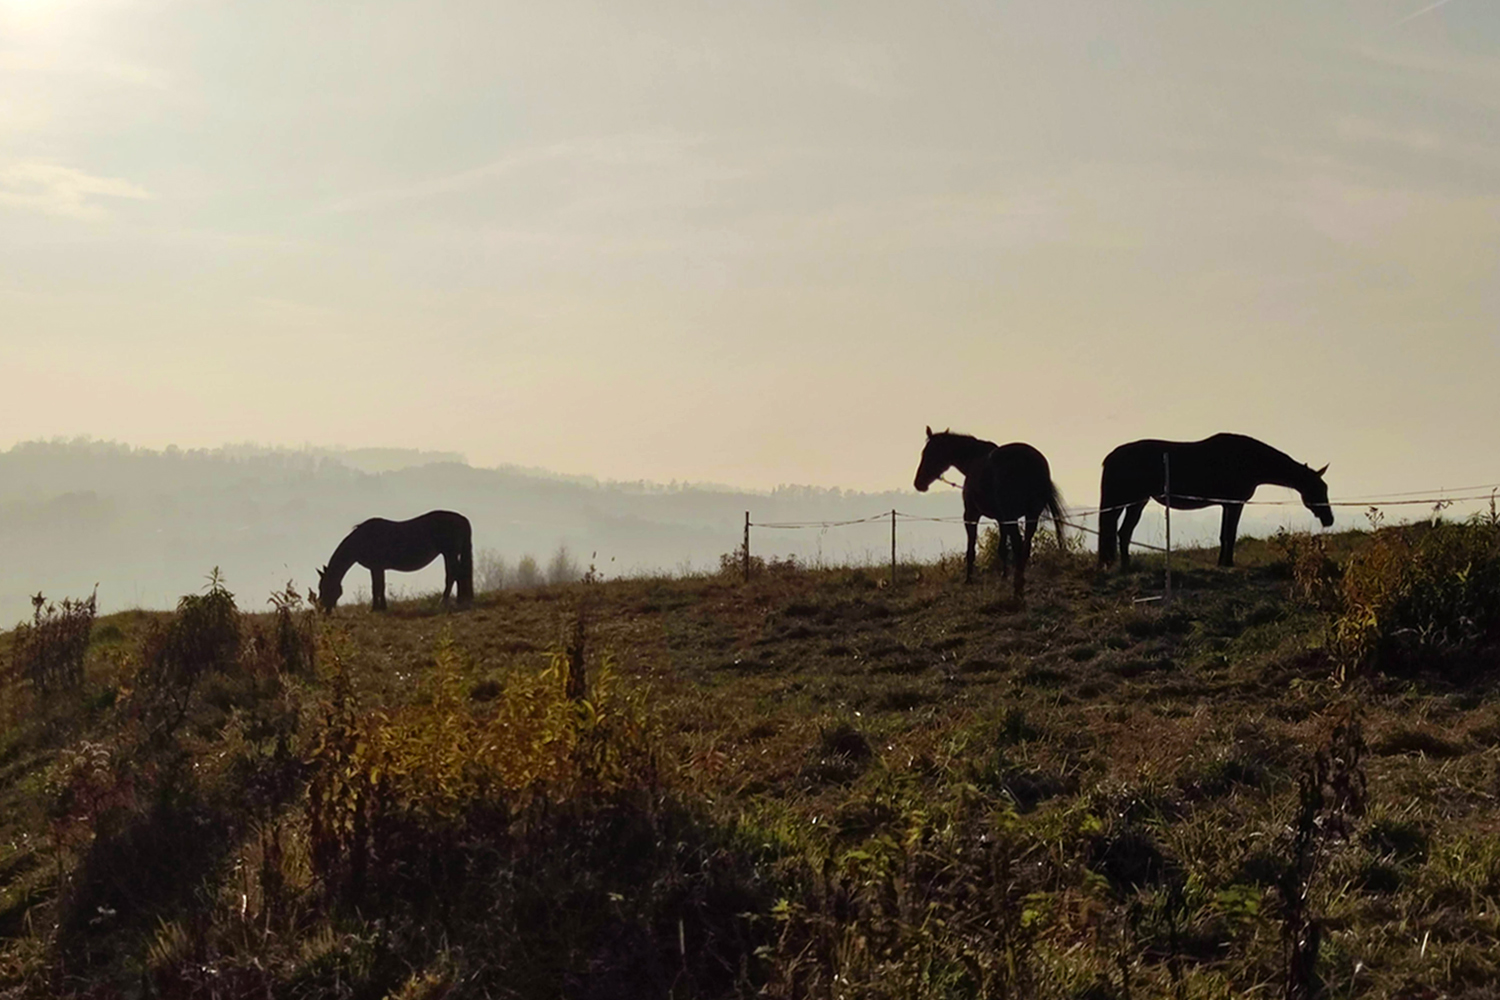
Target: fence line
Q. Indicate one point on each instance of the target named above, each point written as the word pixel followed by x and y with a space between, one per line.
pixel 1092 511
pixel 894 516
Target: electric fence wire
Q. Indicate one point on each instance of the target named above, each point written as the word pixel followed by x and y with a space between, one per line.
pixel 1371 501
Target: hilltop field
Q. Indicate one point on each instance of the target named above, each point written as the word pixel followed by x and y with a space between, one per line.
pixel 817 783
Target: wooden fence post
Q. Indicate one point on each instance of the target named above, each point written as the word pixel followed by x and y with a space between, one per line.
pixel 746 546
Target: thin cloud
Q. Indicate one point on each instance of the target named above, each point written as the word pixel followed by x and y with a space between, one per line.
pixel 1353 128
pixel 55 190
pixel 1418 13
pixel 609 151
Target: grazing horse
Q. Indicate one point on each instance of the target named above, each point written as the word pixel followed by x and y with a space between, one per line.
pixel 1224 469
pixel 404 546
pixel 1007 483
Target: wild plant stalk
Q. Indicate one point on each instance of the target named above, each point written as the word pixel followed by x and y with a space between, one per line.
pixel 1331 795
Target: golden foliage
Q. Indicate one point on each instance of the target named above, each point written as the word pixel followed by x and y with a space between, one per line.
pixel 1417 594
pixel 444 761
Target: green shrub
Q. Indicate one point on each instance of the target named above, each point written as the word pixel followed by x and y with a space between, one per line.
pixel 1315 575
pixel 1420 597
pixel 204 635
pixel 1044 544
pixel 947 906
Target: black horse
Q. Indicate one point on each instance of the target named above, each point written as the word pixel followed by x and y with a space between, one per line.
pixel 1007 483
pixel 1224 469
pixel 404 546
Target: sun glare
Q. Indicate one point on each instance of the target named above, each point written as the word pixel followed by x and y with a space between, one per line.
pixel 26 8
pixel 35 14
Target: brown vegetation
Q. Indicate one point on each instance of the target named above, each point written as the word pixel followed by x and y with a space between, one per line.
pixel 811 784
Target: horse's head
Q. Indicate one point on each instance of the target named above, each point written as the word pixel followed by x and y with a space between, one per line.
pixel 330 589
pixel 1315 496
pixel 936 458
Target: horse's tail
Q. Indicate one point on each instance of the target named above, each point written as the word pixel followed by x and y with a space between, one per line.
pixel 1055 505
pixel 466 567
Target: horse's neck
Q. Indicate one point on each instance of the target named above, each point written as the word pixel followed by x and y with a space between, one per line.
pixel 968 454
pixel 343 557
pixel 1283 470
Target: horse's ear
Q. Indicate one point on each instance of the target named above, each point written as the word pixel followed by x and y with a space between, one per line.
pixel 1323 470
pixel 320 573
pixel 929 432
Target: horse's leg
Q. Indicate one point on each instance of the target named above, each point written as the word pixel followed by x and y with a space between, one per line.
pixel 1127 525
pixel 450 576
pixel 1109 520
pixel 1031 525
pixel 1011 536
pixel 1227 532
pixel 465 562
pixel 377 590
pixel 971 528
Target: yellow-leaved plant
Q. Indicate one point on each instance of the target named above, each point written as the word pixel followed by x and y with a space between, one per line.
pixel 382 780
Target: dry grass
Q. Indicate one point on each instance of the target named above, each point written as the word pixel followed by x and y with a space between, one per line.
pixel 833 787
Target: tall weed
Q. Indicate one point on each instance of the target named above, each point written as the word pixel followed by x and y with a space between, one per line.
pixel 1331 796
pixel 49 650
pixel 1316 576
pixel 203 636
pixel 945 907
pixel 295 630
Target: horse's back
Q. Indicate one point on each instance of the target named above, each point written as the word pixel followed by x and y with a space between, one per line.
pixel 1222 444
pixel 1020 463
pixel 1018 481
pixel 1139 451
pixel 435 524
pixel 1019 453
pixel 1221 465
pixel 446 519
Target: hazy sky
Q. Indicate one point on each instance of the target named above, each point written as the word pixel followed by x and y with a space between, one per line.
pixel 757 243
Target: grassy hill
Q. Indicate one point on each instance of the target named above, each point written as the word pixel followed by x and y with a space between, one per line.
pixel 815 783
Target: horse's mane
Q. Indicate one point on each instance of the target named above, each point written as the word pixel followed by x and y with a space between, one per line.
pixel 1266 451
pixel 963 438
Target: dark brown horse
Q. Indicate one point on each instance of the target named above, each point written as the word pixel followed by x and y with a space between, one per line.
pixel 403 546
pixel 1007 483
pixel 1224 469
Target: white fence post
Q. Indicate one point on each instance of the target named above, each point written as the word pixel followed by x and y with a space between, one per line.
pixel 1166 464
pixel 893 548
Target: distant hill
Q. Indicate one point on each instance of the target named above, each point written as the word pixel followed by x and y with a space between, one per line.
pixel 148 525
